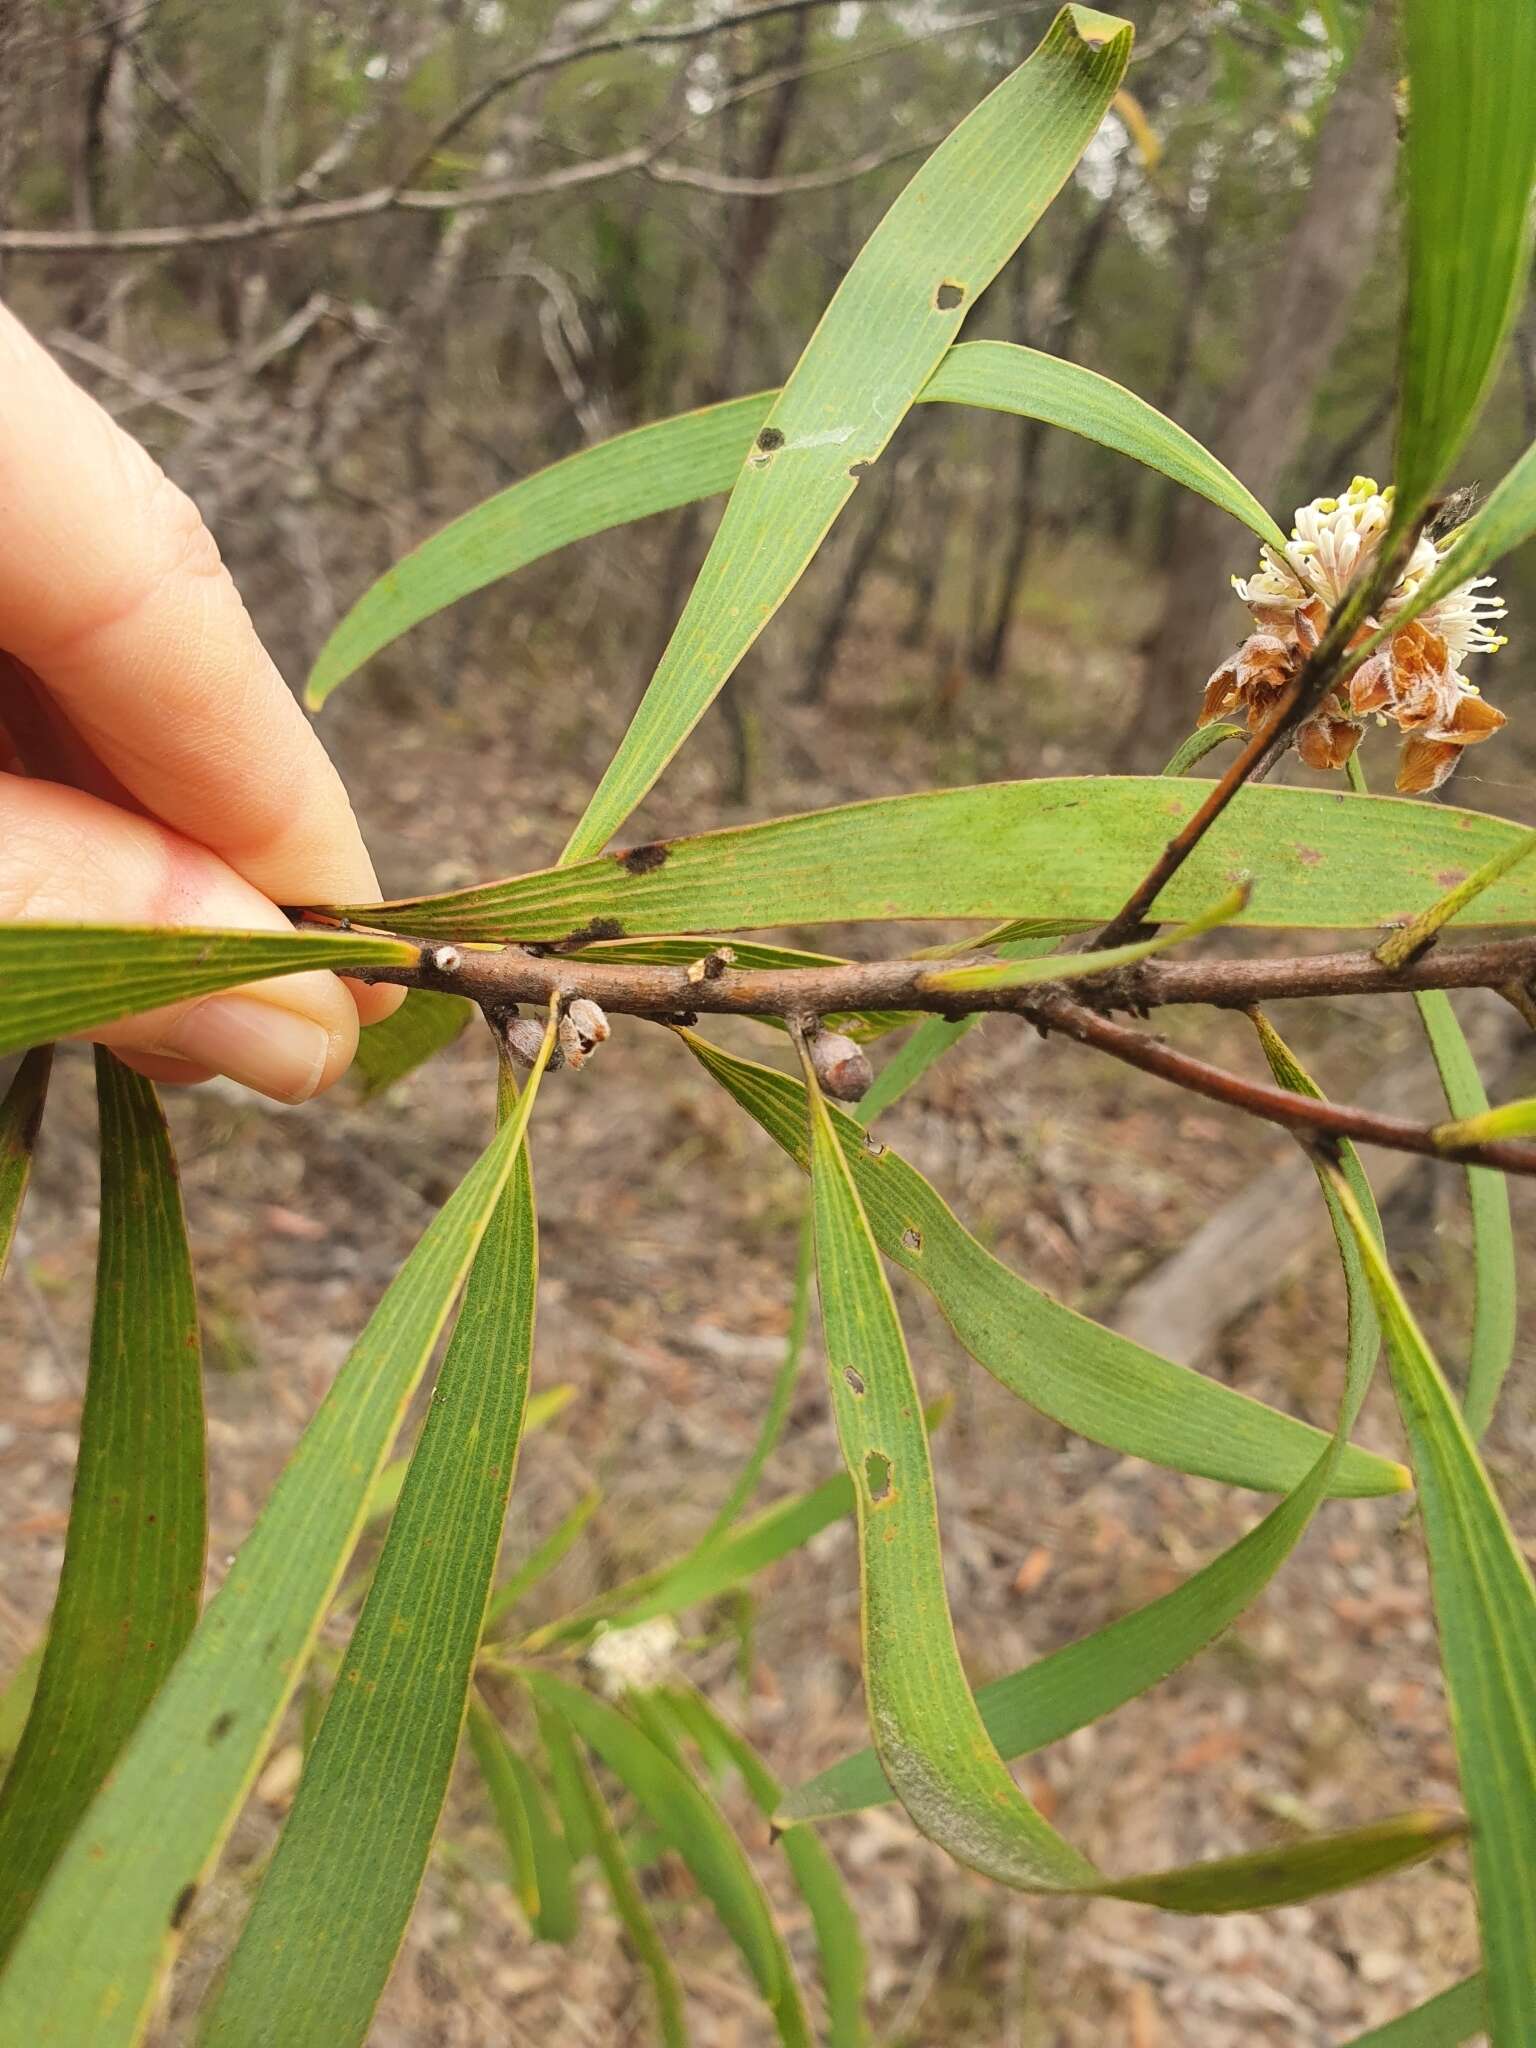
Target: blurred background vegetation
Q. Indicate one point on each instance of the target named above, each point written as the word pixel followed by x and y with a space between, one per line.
pixel 263 257
pixel 348 268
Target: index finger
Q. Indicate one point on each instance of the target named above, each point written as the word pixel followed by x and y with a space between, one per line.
pixel 112 591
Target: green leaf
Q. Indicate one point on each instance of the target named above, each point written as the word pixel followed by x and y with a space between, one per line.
pixel 59 979
pixel 21 1118
pixel 1085 1680
pixel 710 1569
pixel 879 341
pixel 1041 387
pixel 1085 1377
pixel 927 1730
pixel 87 1964
pixel 16 1700
pixel 132 1577
pixel 1069 850
pixel 423 1026
pixel 542 1561
pixel 692 1825
pixel 1442 2022
pixel 541 1410
pixel 557 1917
pixel 1509 1120
pixel 331 1912
pixel 1205 739
pixel 1493 1237
pixel 653 469
pixel 1470 158
pixel 1266 1878
pixel 634 1915
pixel 1028 971
pixel 839 1943
pixel 781 1395
pixel 493 1754
pixel 699 454
pixel 1485 1608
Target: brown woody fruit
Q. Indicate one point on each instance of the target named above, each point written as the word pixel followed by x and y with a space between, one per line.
pixel 841 1067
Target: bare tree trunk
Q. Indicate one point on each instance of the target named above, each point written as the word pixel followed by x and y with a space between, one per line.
pixel 1057 340
pixel 1302 307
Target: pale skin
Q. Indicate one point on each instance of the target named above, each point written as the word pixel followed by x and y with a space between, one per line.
pixel 154 766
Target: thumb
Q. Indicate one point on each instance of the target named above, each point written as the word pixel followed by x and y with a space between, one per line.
pixel 70 858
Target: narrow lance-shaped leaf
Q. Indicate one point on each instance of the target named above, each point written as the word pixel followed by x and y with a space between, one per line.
pixel 1442 2022
pixel 1005 378
pixel 839 1943
pixel 1085 1377
pixel 1085 1680
pixel 60 979
pixel 523 1809
pixel 332 1910
pixel 634 1914
pixel 928 1732
pixel 542 1561
pixel 21 1117
pixel 492 1753
pixel 1068 850
pixel 1470 153
pixel 1029 970
pixel 692 1825
pixel 699 454
pixel 1485 1609
pixel 1493 1238
pixel 423 1026
pixel 86 1965
pixel 929 1735
pixel 877 344
pixel 138 1526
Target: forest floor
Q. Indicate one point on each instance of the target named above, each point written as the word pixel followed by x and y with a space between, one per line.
pixel 668 1232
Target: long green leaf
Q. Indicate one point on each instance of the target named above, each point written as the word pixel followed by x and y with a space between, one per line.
pixel 650 1950
pixel 930 1738
pixel 888 326
pixel 653 469
pixel 839 1943
pixel 1266 1878
pixel 21 1118
pixel 1471 163
pixel 1508 1120
pixel 423 1026
pixel 699 454
pixel 322 1936
pixel 1485 1607
pixel 132 1577
pixel 1493 1236
pixel 1009 379
pixel 556 1917
pixel 493 1754
pixel 1085 1680
pixel 1089 1379
pixel 1442 2022
pixel 541 1562
pixel 1031 970
pixel 90 1957
pixel 59 979
pixel 692 1825
pixel 1069 850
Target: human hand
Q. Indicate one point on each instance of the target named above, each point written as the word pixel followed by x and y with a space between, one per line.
pixel 154 768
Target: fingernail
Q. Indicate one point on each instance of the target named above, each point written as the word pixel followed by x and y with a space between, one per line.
pixel 276 1052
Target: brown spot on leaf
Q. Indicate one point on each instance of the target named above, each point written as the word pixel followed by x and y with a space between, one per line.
pixel 949 295
pixel 589 934
pixel 1308 856
pixel 877 1475
pixel 183 1905
pixel 770 438
pixel 644 860
pixel 855 1380
pixel 220 1726
pixel 1449 878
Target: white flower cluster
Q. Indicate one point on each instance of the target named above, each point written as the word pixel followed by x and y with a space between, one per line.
pixel 633 1659
pixel 1414 679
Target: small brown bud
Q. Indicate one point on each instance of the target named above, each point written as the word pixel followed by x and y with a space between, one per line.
pixel 842 1068
pixel 582 1030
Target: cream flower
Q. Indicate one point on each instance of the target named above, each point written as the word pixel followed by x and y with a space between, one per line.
pixel 1414 678
pixel 633 1659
